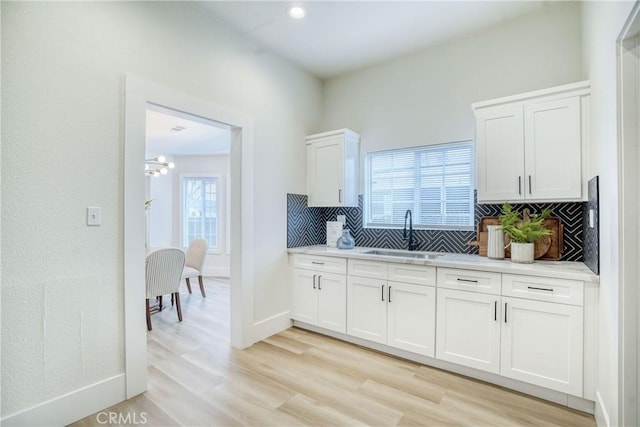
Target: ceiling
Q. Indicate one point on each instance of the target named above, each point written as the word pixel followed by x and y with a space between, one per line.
pixel 173 133
pixel 336 37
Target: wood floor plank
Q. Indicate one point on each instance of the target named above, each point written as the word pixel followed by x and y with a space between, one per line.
pixel 182 404
pixel 311 412
pixel 300 378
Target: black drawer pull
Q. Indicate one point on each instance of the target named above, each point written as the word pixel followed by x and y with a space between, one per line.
pixel 540 289
pixel 466 280
pixel 317 262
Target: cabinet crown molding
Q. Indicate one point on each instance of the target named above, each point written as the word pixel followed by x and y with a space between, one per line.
pixel 571 89
pixel 347 132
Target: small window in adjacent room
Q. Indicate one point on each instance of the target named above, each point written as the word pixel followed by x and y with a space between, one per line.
pixel 436 182
pixel 200 210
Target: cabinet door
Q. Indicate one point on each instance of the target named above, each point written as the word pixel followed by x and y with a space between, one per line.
pixel 332 302
pixel 411 318
pixel 325 172
pixel 553 163
pixel 542 344
pixel 304 296
pixel 500 153
pixel 367 308
pixel 468 329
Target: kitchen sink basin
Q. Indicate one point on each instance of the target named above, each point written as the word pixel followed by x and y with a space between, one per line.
pixel 405 254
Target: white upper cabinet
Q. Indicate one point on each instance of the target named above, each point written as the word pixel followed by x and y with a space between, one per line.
pixel 332 168
pixel 533 146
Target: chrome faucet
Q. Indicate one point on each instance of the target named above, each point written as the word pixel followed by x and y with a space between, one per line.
pixel 412 246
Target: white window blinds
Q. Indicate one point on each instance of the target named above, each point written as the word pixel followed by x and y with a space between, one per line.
pixel 436 182
pixel 200 210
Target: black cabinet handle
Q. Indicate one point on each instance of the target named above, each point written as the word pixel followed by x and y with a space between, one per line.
pixel 540 289
pixel 519 185
pixel 382 292
pixel 317 262
pixel 319 283
pixel 389 297
pixel 466 280
pixel 340 196
pixel 505 312
pixel 495 311
pixel 529 184
pixel 314 281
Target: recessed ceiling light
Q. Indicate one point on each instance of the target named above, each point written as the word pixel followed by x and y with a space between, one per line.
pixel 296 12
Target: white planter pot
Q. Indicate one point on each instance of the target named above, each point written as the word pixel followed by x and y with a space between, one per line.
pixel 522 252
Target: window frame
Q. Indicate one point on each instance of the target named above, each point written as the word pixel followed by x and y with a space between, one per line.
pixel 366 208
pixel 217 250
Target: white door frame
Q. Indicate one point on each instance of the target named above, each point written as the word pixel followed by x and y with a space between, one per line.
pixel 629 184
pixel 138 95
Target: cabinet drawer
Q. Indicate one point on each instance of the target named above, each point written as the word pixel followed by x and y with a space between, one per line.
pixel 408 273
pixel 543 289
pixel 373 269
pixel 469 280
pixel 320 263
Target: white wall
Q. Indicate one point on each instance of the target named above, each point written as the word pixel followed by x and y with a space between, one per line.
pixel 62 119
pixel 426 98
pixel 160 215
pixel 165 214
pixel 602 23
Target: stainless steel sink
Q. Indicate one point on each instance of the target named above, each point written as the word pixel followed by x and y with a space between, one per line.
pixel 405 254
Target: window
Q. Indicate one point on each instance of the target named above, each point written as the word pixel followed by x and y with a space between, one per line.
pixel 200 210
pixel 436 182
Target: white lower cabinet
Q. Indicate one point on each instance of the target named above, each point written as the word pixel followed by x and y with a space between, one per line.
pixel 398 314
pixel 367 308
pixel 542 344
pixel 319 299
pixel 527 328
pixel 468 329
pixel 411 321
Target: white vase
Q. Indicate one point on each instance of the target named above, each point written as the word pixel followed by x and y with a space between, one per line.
pixel 522 252
pixel 495 244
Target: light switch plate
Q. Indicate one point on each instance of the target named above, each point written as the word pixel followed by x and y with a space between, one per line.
pixel 93 216
pixel 591 220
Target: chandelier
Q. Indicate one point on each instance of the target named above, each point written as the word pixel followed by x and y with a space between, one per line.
pixel 157 166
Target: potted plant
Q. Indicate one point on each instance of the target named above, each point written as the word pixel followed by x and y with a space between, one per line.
pixel 523 232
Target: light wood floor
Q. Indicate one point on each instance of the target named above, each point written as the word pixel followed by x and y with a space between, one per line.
pixel 301 378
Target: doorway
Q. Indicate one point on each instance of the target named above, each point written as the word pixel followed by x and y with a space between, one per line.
pixel 629 140
pixel 140 95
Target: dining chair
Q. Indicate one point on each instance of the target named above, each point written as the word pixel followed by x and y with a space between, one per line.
pixel 163 271
pixel 196 252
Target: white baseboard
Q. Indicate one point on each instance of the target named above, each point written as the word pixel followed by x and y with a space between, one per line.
pixel 601 414
pixel 73 406
pixel 271 326
pixel 216 272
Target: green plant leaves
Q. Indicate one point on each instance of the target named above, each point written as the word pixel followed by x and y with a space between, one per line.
pixel 522 231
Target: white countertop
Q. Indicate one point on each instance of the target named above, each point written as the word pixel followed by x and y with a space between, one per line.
pixel 556 269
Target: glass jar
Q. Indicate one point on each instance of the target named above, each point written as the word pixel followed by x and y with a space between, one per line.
pixel 346 241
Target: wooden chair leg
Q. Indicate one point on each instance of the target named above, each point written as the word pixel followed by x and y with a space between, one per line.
pixel 160 302
pixel 188 284
pixel 148 316
pixel 178 306
pixel 201 286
